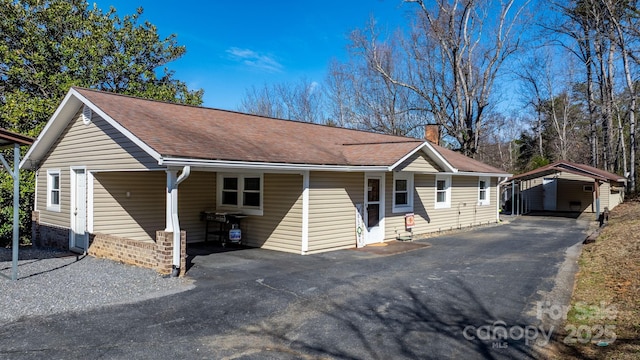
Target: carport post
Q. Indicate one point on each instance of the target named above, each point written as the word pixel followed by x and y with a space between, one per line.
pixel 513 196
pixel 596 187
pixel 15 175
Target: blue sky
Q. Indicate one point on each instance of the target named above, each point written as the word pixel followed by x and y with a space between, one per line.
pixel 233 45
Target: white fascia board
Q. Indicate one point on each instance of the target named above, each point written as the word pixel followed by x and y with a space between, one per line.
pixel 59 121
pixel 54 127
pixel 154 154
pixel 239 165
pixel 432 153
pixel 438 158
pixel 577 169
pixel 397 163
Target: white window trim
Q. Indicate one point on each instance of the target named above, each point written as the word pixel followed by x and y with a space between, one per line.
pixel 446 204
pixel 247 210
pixel 50 205
pixel 408 176
pixel 487 189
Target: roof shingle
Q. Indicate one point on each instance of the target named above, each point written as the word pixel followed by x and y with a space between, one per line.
pixel 175 130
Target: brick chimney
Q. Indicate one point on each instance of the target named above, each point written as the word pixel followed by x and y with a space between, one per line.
pixel 432 133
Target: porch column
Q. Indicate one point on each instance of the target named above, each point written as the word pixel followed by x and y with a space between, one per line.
pixel 305 212
pixel 172 219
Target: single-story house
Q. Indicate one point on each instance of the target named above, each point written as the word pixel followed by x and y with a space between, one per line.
pixel 564 186
pixel 129 179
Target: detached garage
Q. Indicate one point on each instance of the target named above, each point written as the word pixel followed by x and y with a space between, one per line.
pixel 568 187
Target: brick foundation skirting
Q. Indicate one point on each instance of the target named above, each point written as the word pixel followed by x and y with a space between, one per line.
pixel 156 255
pixel 48 236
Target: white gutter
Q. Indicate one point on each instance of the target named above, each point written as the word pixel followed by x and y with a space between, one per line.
pixel 186 171
pixel 471 173
pixel 239 165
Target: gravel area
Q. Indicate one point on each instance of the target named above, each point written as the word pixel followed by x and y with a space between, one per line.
pixel 51 282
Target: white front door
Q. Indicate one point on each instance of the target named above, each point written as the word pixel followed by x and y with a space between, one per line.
pixel 374 208
pixel 549 194
pixel 79 237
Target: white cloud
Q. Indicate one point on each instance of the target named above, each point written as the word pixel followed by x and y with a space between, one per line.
pixel 254 59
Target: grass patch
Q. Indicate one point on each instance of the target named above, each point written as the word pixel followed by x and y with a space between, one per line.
pixel 604 318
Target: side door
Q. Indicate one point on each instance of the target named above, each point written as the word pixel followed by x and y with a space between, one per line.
pixel 79 237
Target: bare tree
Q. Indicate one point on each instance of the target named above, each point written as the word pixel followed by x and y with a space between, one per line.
pixel 452 57
pixel 301 101
pixel 617 13
pixel 370 101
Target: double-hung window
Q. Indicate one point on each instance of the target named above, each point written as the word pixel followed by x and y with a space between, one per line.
pixel 53 190
pixel 483 191
pixel 402 192
pixel 240 192
pixel 443 191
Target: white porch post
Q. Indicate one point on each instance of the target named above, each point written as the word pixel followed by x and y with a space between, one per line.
pixel 305 212
pixel 172 175
pixel 172 219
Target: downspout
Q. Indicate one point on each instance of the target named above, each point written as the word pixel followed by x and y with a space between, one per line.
pixel 186 171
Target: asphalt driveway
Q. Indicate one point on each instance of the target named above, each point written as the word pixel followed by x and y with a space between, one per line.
pixel 437 301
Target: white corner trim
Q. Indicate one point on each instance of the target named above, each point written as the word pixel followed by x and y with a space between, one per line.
pixel 89 201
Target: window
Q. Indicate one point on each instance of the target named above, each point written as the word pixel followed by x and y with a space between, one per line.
pixel 402 192
pixel 587 188
pixel 240 192
pixel 443 191
pixel 230 191
pixel 53 190
pixel 483 191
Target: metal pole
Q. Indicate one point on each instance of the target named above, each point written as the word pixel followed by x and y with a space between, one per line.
pixel 513 196
pixel 16 210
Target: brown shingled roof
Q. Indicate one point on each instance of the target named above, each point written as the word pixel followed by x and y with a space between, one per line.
pixel 196 132
pixel 184 131
pixel 9 138
pixel 574 168
pixel 465 163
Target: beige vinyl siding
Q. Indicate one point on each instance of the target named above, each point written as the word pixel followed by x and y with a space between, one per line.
pixel 60 218
pixel 280 227
pixel 464 210
pixel 98 146
pixel 195 195
pixel 616 195
pixel 605 196
pixel 136 217
pixel 532 194
pixel 332 214
pixel 570 193
pixel 418 162
pixel 570 189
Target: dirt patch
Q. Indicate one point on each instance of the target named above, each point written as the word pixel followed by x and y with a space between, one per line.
pixel 604 318
pixel 393 247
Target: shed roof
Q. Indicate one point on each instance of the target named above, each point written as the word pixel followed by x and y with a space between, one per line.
pixel 570 167
pixel 9 138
